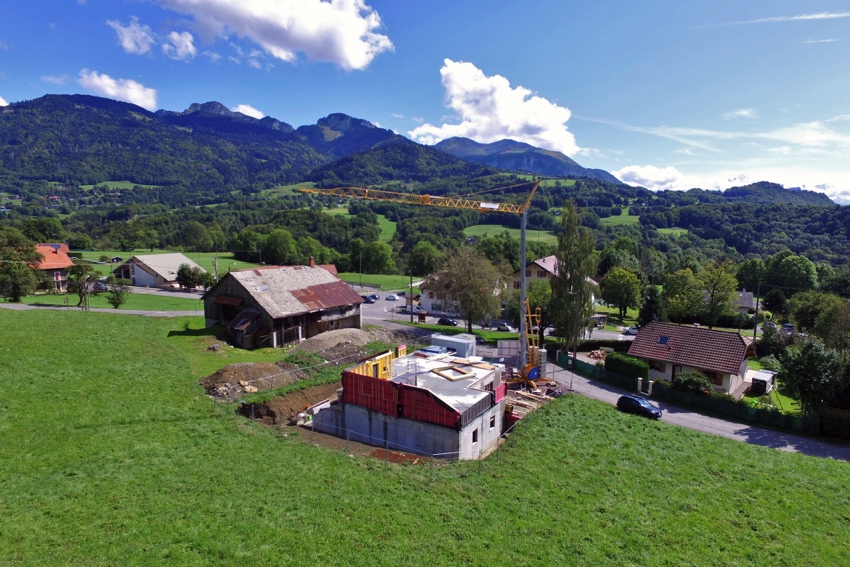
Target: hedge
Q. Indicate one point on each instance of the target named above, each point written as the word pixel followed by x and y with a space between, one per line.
pixel 834 422
pixel 626 365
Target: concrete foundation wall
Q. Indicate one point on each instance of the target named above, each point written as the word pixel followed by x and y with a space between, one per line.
pixel 374 428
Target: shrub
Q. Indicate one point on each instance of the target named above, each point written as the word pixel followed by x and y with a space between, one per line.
pixel 770 362
pixel 694 382
pixel 626 365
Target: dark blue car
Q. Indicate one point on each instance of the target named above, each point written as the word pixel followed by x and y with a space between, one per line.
pixel 636 404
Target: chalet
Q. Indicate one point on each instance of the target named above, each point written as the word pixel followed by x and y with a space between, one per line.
pixel 277 305
pixel 153 270
pixel 671 349
pixel 542 270
pixel 55 263
pixel 430 403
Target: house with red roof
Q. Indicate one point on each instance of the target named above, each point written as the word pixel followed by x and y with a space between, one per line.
pixel 55 263
pixel 671 349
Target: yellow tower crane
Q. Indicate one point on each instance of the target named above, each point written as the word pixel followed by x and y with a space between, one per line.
pixel 456 203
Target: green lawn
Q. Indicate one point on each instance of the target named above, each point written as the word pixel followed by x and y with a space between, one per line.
pixel 135 301
pixel 480 230
pixel 387 282
pixel 112 455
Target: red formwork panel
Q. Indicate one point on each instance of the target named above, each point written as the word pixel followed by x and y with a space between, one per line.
pixel 373 393
pixel 421 405
pixel 500 392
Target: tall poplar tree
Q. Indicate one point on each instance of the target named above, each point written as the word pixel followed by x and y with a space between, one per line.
pixel 572 294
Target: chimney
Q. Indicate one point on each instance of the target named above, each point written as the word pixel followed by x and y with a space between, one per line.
pixel 312 262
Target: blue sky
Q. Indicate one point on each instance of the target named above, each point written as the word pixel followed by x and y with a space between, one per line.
pixel 665 94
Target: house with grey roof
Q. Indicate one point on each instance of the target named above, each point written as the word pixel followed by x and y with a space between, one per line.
pixel 271 306
pixel 154 270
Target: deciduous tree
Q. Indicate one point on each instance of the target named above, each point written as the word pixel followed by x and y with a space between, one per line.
pixel 474 282
pixel 621 288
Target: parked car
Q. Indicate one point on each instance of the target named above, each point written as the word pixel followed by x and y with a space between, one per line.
pixel 479 340
pixel 638 405
pixel 100 286
pixel 367 299
pixel 447 321
pixel 787 328
pixel 505 328
pixel 633 330
pixel 769 325
pixel 392 297
pixel 375 296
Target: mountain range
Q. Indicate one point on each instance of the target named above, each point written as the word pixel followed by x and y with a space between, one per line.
pixel 207 147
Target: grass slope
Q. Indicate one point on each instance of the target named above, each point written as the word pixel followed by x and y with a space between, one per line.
pixel 112 455
pixel 480 230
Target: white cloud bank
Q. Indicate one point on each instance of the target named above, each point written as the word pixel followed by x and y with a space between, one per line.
pixel 489 110
pixel 654 178
pixel 120 89
pixel 134 37
pixel 3 102
pixel 249 110
pixel 180 46
pixel 343 32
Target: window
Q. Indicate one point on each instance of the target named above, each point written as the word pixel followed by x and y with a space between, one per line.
pixel 658 366
pixel 663 340
pixel 541 273
pixel 528 273
pixel 516 285
pixel 474 436
pixel 492 421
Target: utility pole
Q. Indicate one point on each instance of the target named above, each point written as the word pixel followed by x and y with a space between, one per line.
pixel 756 316
pixel 411 294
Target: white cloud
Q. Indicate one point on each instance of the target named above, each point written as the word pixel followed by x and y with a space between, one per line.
pixel 797 18
pixel 56 79
pixel 739 113
pixel 821 41
pixel 339 31
pixel 3 102
pixel 489 110
pixel 651 177
pixel 121 89
pixel 134 37
pixel 180 46
pixel 248 110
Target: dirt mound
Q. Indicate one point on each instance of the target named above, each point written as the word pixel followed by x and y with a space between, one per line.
pixel 282 408
pixel 231 382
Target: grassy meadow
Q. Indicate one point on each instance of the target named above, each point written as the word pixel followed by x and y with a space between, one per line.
pixel 113 455
pixel 135 302
pixel 480 230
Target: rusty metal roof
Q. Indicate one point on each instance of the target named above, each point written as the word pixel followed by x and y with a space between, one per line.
pixel 284 291
pixel 228 300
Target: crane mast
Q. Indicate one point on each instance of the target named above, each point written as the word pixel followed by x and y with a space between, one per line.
pixel 456 203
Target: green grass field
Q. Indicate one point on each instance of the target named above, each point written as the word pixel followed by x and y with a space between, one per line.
pixel 480 230
pixel 620 220
pixel 135 302
pixel 113 455
pixel 673 231
pixel 285 190
pixel 119 185
pixel 387 283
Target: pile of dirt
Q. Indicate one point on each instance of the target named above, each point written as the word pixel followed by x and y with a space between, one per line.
pixel 233 381
pixel 282 409
pixel 341 348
